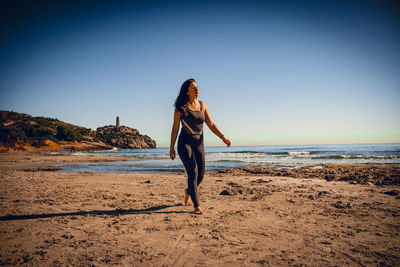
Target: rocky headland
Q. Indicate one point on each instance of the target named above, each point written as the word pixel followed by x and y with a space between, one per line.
pixel 20 131
pixel 124 137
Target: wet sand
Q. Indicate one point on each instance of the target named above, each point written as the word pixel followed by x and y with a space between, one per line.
pixel 251 218
pixel 38 160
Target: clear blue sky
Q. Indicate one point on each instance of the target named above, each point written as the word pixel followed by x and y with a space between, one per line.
pixel 270 73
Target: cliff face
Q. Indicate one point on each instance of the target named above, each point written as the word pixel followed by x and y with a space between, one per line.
pixel 124 137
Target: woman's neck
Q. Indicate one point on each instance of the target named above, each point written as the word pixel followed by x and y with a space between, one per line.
pixel 192 100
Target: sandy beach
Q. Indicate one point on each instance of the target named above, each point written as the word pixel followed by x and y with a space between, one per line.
pixel 251 218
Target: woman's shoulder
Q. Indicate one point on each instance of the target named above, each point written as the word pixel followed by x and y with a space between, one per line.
pixel 177 112
pixel 203 105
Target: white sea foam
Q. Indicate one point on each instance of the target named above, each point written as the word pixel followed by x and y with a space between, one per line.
pixel 299 153
pixel 267 156
pixel 78 153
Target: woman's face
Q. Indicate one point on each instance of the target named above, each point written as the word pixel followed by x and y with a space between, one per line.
pixel 193 90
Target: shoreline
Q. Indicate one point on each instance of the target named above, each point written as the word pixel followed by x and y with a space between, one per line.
pixel 253 216
pixel 20 160
pixel 377 174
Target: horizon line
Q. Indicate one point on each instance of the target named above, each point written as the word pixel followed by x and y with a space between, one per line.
pixel 370 143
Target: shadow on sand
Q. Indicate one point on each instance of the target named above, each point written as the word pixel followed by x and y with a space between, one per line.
pixel 116 212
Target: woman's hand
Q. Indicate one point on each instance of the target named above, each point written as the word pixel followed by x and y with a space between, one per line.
pixel 226 141
pixel 172 153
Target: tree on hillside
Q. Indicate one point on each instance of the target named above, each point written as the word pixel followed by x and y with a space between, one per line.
pixel 8 136
pixel 65 134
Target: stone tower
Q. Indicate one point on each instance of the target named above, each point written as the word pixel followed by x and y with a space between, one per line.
pixel 117 124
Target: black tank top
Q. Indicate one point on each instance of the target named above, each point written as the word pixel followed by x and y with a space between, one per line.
pixel 194 119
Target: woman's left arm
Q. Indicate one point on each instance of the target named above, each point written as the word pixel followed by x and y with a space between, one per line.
pixel 213 127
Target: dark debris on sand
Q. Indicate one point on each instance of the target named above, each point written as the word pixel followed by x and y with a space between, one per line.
pixel 361 174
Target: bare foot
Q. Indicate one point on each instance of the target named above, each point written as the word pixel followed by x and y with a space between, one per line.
pixel 198 211
pixel 187 198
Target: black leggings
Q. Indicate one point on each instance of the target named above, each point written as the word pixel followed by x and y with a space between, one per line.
pixel 191 152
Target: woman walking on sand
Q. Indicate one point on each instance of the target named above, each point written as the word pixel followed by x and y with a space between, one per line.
pixel 192 113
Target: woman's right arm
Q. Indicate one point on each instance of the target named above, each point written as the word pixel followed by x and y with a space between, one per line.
pixel 174 133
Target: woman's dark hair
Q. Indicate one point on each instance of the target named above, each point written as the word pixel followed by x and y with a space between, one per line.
pixel 183 98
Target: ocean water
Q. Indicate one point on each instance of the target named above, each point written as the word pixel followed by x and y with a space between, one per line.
pixel 218 157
